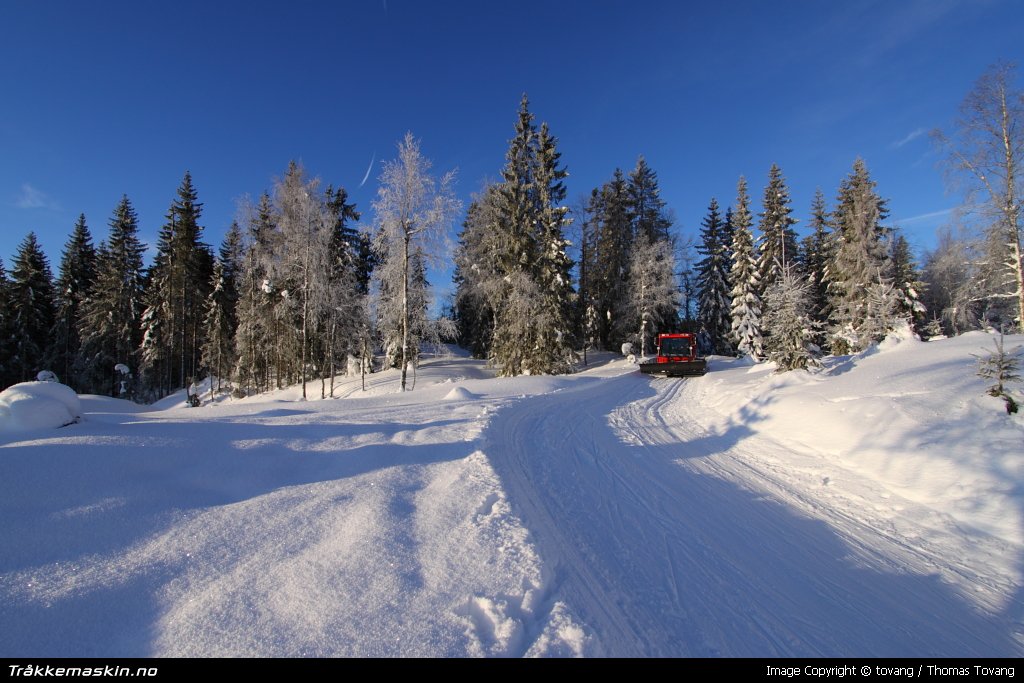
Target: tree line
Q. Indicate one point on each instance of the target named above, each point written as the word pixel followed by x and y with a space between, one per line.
pixel 298 293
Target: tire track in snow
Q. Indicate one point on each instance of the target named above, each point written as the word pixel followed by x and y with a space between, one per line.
pixel 657 556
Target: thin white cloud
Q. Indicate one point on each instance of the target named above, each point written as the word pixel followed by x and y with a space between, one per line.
pixel 910 137
pixel 33 198
pixel 369 168
pixel 924 217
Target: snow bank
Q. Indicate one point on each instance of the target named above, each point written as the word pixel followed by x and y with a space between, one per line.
pixel 38 405
pixel 912 416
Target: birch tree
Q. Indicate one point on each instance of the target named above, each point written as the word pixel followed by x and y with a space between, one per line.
pixel 986 152
pixel 413 212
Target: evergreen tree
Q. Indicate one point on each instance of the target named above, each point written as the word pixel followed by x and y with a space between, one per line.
pixel 178 285
pixel 650 222
pixel 530 258
pixel 646 208
pixel 232 262
pixel 218 348
pixel 777 247
pixel 77 275
pixel 859 262
pixel 608 270
pixel 554 342
pixel 745 313
pixel 788 323
pixel 350 264
pixel 476 280
pixel 906 282
pixel 8 375
pixel 31 308
pixel 815 257
pixel 110 324
pixel 713 303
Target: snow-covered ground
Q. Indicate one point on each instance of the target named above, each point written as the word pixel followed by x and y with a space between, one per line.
pixel 874 508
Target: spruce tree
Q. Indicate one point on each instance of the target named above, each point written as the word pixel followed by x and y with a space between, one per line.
pixel 514 337
pixel 609 271
pixel 8 375
pixel 906 281
pixel 178 285
pixel 31 308
pixel 745 312
pixel 650 225
pixel 815 257
pixel 218 347
pixel 788 323
pixel 110 324
pixel 859 264
pixel 646 208
pixel 555 343
pixel 777 246
pixel 531 258
pixel 475 277
pixel 713 300
pixel 77 276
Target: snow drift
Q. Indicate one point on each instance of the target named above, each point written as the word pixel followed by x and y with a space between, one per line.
pixel 38 405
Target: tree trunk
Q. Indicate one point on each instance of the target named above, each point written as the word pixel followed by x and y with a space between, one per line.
pixel 405 305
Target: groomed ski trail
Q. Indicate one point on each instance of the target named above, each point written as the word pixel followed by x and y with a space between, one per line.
pixel 666 539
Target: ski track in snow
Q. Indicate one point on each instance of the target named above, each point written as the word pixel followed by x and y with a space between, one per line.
pixel 669 539
pixel 605 513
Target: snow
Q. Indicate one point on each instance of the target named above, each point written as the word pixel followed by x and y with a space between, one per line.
pixel 870 508
pixel 38 405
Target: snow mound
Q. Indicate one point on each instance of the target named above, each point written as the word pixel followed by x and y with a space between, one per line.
pixel 460 394
pixel 38 405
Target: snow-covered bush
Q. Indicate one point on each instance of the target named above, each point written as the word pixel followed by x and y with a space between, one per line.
pixel 38 405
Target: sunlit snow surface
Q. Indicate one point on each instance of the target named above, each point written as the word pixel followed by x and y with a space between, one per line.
pixel 874 508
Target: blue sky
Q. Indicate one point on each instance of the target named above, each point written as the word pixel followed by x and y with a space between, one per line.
pixel 104 98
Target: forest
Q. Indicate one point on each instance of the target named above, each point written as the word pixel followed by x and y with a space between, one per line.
pixel 301 291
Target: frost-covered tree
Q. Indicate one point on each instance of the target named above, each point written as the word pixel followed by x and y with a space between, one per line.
pixel 906 282
pixel 77 274
pixel 476 279
pixel 859 262
pixel 713 300
pixel 31 307
pixel 650 221
pixel 950 284
pixel 777 246
pixel 554 350
pixel 652 288
pixel 789 327
pixel 110 324
pixel 254 339
pixel 745 312
pixel 1003 367
pixel 302 264
pixel 529 234
pixel 413 212
pixel 986 150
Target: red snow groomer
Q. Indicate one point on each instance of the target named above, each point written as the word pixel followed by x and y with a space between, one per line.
pixel 677 357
